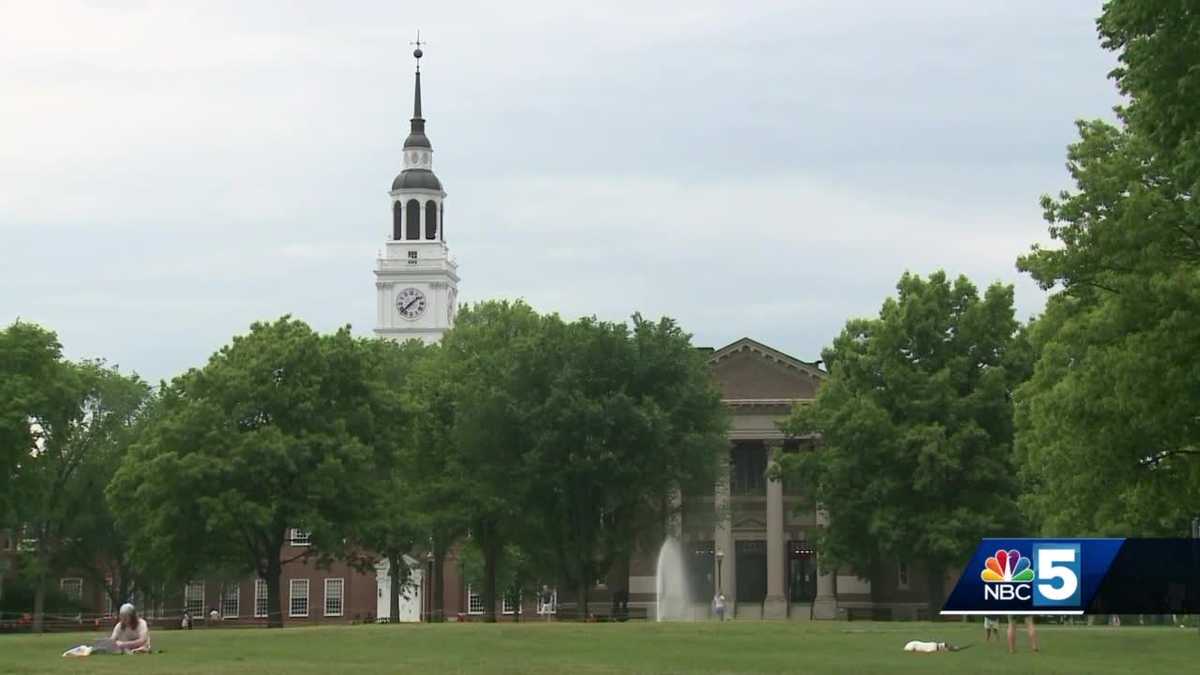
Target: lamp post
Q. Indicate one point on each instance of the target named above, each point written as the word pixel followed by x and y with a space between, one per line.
pixel 429 581
pixel 720 556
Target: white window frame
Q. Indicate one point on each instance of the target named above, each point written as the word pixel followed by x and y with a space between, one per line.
pixel 188 597
pixel 902 575
pixel 552 608
pixel 293 596
pixel 507 608
pixel 77 582
pixel 340 596
pixel 108 603
pixel 474 599
pixel 262 597
pixel 299 537
pixel 232 592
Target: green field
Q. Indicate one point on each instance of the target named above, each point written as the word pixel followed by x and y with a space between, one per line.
pixel 734 647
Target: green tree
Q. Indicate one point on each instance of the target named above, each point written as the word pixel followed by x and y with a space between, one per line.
pixel 93 543
pixel 482 432
pixel 433 482
pixel 279 430
pixel 1107 432
pixel 70 420
pixel 621 419
pixel 32 374
pixel 393 527
pixel 915 421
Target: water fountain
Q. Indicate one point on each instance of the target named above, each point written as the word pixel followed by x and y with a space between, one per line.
pixel 674 602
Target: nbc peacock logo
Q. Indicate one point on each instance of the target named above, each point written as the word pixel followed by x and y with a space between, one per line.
pixel 1007 567
pixel 1007 575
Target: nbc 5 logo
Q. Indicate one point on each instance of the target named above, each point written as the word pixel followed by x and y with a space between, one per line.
pixel 1059 570
pixel 1052 580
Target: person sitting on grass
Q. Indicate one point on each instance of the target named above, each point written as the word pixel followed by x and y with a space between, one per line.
pixel 131 635
pixel 921 647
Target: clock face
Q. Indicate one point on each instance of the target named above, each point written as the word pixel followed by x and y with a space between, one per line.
pixel 410 303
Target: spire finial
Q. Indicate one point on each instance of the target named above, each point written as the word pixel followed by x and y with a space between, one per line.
pixel 417 53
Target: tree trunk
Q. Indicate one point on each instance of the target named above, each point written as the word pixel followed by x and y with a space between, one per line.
pixel 937 590
pixel 397 578
pixel 581 604
pixel 517 609
pixel 274 596
pixel 875 574
pixel 490 563
pixel 39 603
pixel 620 586
pixel 435 582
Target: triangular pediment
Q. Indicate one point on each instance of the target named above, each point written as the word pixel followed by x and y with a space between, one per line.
pixel 747 370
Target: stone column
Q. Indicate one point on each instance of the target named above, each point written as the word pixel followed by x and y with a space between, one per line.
pixel 775 606
pixel 723 538
pixel 825 604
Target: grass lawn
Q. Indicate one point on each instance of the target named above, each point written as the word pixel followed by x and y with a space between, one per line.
pixel 733 647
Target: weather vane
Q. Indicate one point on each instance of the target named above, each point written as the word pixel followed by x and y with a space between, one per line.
pixel 417 53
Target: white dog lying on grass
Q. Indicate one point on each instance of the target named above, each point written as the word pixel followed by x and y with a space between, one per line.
pixel 930 647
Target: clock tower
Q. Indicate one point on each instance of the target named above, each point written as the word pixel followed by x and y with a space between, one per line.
pixel 416 280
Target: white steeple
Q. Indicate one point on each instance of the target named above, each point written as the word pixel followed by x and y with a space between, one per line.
pixel 415 278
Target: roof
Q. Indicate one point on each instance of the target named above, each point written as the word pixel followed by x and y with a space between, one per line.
pixel 420 179
pixel 770 353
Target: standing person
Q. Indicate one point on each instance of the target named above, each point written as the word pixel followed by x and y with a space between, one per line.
pixel 214 616
pixel 1012 634
pixel 131 635
pixel 547 602
pixel 990 627
pixel 186 622
pixel 719 607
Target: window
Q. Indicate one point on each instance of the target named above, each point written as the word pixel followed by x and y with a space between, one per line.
pixel 72 588
pixel 193 598
pixel 298 597
pixel 231 601
pixel 333 596
pixel 412 257
pixel 261 601
pixel 511 603
pixel 548 601
pixel 397 220
pixel 108 603
pixel 412 220
pixel 431 217
pixel 474 602
pixel 298 537
pixel 802 571
pixel 748 473
pixel 902 575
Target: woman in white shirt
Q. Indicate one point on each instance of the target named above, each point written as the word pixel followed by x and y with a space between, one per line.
pixel 131 635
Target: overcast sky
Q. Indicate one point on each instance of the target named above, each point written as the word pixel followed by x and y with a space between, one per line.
pixel 171 173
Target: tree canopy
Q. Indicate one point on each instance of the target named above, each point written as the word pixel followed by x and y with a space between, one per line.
pixel 279 430
pixel 915 425
pixel 1108 434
